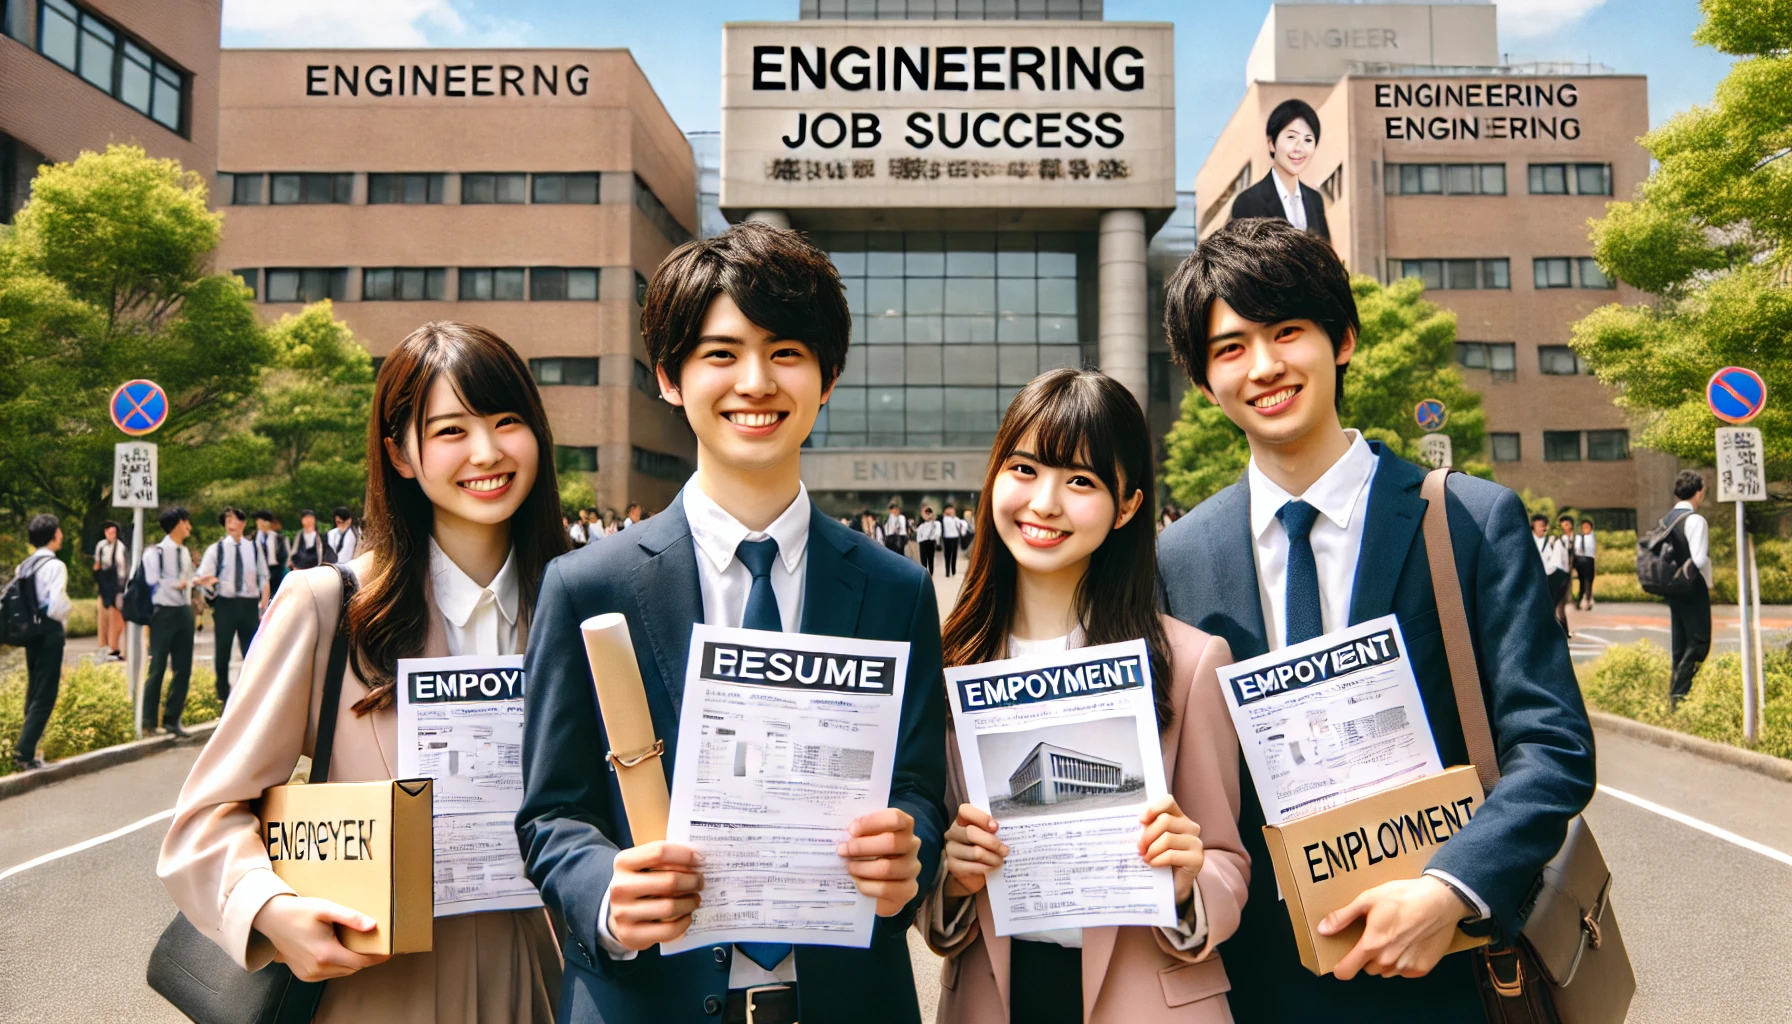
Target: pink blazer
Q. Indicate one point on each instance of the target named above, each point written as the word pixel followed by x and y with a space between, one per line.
pixel 1132 975
pixel 502 967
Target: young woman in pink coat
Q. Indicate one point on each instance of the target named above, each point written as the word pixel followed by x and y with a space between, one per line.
pixel 1074 565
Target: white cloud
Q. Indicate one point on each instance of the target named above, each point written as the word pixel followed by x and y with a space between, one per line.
pixel 1534 18
pixel 372 23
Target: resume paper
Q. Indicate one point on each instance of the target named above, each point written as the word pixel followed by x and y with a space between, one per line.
pixel 784 739
pixel 1062 749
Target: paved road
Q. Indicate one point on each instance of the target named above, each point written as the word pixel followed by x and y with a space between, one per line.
pixel 1613 623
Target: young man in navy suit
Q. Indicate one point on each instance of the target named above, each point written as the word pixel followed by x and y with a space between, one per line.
pixel 748 332
pixel 1321 533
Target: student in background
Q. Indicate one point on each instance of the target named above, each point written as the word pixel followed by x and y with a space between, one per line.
pixel 1690 614
pixel 1553 553
pixel 48 579
pixel 741 545
pixel 631 515
pixel 1071 565
pixel 869 527
pixel 1565 540
pixel 1293 133
pixel 168 569
pixel 951 538
pixel 1322 532
pixel 896 530
pixel 927 537
pixel 1586 563
pixel 575 532
pixel 344 539
pixel 233 569
pixel 111 572
pixel 272 545
pixel 447 570
pixel 308 546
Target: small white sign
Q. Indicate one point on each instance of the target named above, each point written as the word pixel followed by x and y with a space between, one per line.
pixel 134 474
pixel 1436 451
pixel 1741 464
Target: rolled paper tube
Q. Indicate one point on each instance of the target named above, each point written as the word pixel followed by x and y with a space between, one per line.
pixel 622 700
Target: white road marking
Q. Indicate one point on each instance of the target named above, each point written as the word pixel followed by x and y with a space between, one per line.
pixel 86 844
pixel 1690 822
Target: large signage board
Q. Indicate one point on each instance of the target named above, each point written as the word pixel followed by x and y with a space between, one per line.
pixel 882 114
pixel 1318 42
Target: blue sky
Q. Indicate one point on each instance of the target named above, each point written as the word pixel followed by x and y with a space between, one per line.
pixel 678 44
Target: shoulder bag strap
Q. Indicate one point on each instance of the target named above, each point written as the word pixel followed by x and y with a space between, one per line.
pixel 1459 647
pixel 332 699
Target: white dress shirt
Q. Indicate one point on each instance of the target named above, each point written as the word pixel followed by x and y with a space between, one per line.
pixel 1554 552
pixel 725 583
pixel 951 527
pixel 896 525
pixel 1585 546
pixel 927 530
pixel 343 542
pixel 1698 538
pixel 1341 495
pixel 113 555
pixel 165 565
pixel 52 583
pixel 221 560
pixel 268 542
pixel 1292 204
pixel 578 533
pixel 477 620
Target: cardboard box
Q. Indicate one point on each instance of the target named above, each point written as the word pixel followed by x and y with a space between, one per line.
pixel 365 845
pixel 1325 860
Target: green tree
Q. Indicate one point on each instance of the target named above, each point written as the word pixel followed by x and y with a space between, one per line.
pixel 1708 234
pixel 1405 354
pixel 104 277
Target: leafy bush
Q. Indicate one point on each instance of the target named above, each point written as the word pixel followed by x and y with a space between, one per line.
pixel 1632 680
pixel 93 710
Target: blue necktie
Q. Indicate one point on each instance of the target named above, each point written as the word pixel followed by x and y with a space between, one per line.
pixel 1301 609
pixel 762 613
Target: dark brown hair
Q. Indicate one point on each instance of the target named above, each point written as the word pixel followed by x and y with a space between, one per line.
pixel 1087 420
pixel 388 618
pixel 780 282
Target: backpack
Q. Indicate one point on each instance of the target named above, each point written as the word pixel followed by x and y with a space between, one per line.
pixel 1664 565
pixel 139 605
pixel 21 617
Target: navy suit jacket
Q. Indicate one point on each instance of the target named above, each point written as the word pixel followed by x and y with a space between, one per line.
pixel 1262 200
pixel 1208 575
pixel 572 823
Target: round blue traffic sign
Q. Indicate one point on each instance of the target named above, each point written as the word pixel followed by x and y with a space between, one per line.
pixel 139 407
pixel 1736 394
pixel 1430 414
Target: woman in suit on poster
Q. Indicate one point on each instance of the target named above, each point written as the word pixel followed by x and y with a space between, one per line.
pixel 1070 562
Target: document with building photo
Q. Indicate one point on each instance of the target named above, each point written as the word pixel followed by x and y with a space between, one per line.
pixel 1330 720
pixel 1063 751
pixel 785 739
pixel 460 722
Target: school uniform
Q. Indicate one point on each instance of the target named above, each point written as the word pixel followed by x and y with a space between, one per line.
pixel 1689 615
pixel 691 563
pixel 274 555
pixel 236 611
pixel 896 533
pixel 952 531
pixel 114 560
pixel 168 570
pixel 1586 554
pixel 342 543
pixel 307 551
pixel 1254 566
pixel 1268 198
pixel 927 538
pixel 43 652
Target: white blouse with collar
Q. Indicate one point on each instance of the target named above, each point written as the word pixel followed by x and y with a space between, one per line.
pixel 477 620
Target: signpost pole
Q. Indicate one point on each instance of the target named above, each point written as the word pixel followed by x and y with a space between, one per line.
pixel 1735 395
pixel 1754 588
pixel 134 634
pixel 138 408
pixel 1750 709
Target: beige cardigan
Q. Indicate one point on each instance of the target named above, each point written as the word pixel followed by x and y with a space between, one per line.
pixel 493 967
pixel 1133 975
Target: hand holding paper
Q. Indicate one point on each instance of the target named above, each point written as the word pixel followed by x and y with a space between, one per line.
pixel 884 858
pixel 972 851
pixel 653 891
pixel 1171 840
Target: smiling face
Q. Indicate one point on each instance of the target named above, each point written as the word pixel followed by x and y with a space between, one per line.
pixel 1277 381
pixel 750 398
pixel 1292 147
pixel 471 467
pixel 1052 518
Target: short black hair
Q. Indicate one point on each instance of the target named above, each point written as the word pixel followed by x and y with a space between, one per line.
pixel 172 517
pixel 1540 518
pixel 1289 111
pixel 42 529
pixel 1268 271
pixel 231 510
pixel 111 524
pixel 342 512
pixel 263 514
pixel 781 283
pixel 1564 519
pixel 1687 484
pixel 307 512
pixel 1586 522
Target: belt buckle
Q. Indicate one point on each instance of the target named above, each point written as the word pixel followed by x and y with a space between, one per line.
pixel 754 990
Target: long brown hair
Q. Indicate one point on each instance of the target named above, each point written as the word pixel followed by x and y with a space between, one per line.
pixel 1078 418
pixel 388 618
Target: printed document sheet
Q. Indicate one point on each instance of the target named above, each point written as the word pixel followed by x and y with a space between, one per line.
pixel 784 739
pixel 1330 720
pixel 460 722
pixel 1062 749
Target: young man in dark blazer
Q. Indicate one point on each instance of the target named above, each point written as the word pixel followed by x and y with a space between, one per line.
pixel 1321 533
pixel 1293 131
pixel 748 331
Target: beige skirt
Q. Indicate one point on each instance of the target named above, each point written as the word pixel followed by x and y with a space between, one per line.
pixel 497 968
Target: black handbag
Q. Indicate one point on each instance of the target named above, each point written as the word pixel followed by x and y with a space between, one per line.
pixel 193 972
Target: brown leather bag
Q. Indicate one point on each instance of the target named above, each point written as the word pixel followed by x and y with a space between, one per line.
pixel 1569 965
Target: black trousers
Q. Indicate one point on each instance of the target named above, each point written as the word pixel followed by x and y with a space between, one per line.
pixel 1691 618
pixel 950 547
pixel 1045 983
pixel 170 637
pixel 1583 570
pixel 897 543
pixel 43 680
pixel 927 547
pixel 233 618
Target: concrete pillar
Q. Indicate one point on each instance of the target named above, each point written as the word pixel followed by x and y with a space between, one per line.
pixel 776 218
pixel 1120 283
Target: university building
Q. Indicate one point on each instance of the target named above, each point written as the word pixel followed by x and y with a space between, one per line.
pixel 1050 773
pixel 532 192
pixel 1437 161
pixel 82 74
